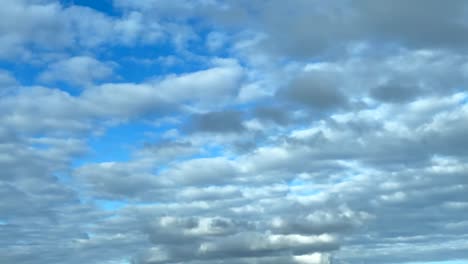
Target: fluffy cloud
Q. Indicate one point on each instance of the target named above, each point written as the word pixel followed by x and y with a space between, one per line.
pixel 80 70
pixel 270 140
pixel 30 26
pixel 344 24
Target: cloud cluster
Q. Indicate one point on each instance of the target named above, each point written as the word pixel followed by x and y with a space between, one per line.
pixel 217 131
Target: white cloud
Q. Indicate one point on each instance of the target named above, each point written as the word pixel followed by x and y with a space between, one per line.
pixel 80 70
pixel 262 138
pixel 315 258
pixel 212 86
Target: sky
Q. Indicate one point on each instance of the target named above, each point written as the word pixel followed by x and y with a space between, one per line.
pixel 233 132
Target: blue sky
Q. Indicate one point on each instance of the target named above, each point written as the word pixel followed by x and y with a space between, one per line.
pixel 217 131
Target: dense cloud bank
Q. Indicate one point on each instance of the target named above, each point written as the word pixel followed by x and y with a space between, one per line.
pixel 211 131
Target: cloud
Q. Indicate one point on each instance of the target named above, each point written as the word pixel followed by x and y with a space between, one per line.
pixel 271 140
pixel 31 27
pixel 7 83
pixel 343 23
pixel 80 70
pixel 315 93
pixel 395 92
pixel 217 122
pixel 211 86
pixel 57 110
pixel 39 24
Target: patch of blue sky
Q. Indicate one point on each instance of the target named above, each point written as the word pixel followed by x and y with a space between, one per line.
pixel 161 168
pixel 464 101
pixel 210 151
pixel 24 73
pixel 138 64
pixel 296 182
pixel 71 89
pixel 118 142
pixel 104 6
pixel 110 205
pixel 40 146
pixel 65 178
pixel 143 61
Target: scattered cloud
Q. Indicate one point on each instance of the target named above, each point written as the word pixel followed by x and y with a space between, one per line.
pixel 214 131
pixel 80 70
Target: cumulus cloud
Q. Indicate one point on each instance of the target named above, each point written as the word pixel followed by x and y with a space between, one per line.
pixel 211 86
pixel 217 122
pixel 315 93
pixel 306 132
pixel 29 26
pixel 80 70
pixel 344 23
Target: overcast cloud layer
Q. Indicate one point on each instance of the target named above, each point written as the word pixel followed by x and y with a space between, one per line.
pixel 212 131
